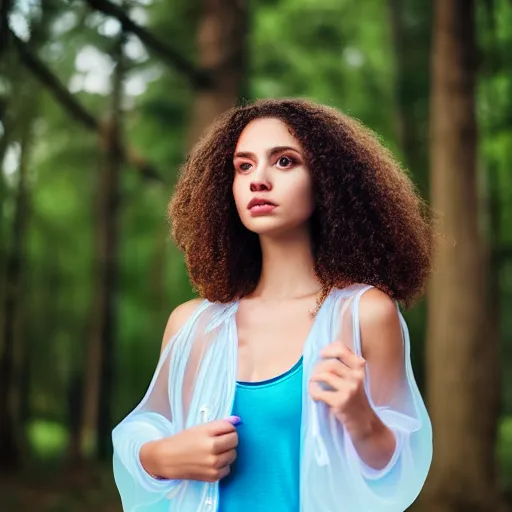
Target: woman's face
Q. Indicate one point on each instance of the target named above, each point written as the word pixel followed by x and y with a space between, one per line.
pixel 272 186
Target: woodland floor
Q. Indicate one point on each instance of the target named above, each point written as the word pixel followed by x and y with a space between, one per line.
pixel 52 491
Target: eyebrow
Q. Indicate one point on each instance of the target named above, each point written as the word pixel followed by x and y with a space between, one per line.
pixel 271 152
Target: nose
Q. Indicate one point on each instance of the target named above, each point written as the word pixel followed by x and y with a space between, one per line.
pixel 260 185
pixel 260 181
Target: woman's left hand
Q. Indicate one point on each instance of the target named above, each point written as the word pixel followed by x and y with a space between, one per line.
pixel 343 373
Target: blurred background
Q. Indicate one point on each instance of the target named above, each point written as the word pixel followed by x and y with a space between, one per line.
pixel 100 101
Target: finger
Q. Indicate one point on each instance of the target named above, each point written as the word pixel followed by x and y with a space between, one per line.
pixel 234 420
pixel 220 427
pixel 320 395
pixel 225 443
pixel 225 459
pixel 337 349
pixel 333 381
pixel 341 352
pixel 332 365
pixel 225 471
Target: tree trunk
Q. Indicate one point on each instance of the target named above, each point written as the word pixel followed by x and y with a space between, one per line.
pixel 97 401
pixel 221 43
pixel 158 273
pixel 11 348
pixel 4 143
pixel 114 162
pixel 74 455
pixel 5 9
pixel 462 348
pixel 405 126
pixel 411 50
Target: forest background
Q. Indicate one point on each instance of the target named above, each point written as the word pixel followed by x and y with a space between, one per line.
pixel 99 103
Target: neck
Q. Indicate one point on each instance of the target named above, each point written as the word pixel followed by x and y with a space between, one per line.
pixel 287 267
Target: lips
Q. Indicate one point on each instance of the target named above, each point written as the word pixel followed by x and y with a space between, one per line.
pixel 260 202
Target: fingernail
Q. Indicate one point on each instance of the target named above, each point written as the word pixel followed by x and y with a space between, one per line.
pixel 234 420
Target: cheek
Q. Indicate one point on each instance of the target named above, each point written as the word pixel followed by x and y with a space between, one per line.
pixel 302 195
pixel 236 189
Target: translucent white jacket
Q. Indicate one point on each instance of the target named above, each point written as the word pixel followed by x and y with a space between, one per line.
pixel 195 382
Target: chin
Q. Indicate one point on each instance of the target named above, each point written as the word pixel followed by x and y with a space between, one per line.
pixel 271 227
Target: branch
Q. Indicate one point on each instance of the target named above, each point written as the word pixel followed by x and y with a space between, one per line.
pixel 200 79
pixel 59 91
pixel 62 95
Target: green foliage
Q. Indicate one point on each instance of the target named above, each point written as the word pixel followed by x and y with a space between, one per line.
pixel 333 57
pixel 47 439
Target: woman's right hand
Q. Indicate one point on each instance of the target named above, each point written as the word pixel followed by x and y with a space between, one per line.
pixel 204 452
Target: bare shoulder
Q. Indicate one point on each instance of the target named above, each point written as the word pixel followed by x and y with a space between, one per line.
pixel 381 332
pixel 375 306
pixel 178 317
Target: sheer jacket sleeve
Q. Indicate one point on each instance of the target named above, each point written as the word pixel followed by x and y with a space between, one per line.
pixel 394 396
pixel 352 485
pixel 187 364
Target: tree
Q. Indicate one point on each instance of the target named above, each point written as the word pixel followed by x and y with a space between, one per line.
pixel 410 26
pixel 18 117
pixel 462 356
pixel 97 391
pixel 11 312
pixel 221 39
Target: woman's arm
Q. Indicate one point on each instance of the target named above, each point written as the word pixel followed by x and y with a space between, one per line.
pixel 150 421
pixel 383 350
pixel 373 422
pixel 345 372
pixel 149 452
pixel 177 320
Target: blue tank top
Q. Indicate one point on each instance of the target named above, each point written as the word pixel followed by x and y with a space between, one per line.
pixel 266 474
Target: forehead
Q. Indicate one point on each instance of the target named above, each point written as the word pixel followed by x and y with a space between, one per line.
pixel 265 133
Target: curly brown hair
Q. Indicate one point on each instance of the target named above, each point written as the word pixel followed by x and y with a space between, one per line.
pixel 369 224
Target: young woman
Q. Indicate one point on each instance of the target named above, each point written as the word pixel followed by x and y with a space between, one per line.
pixel 288 385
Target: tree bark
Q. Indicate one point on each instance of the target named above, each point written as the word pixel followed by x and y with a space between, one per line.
pixel 404 122
pixel 158 273
pixel 462 346
pixel 4 144
pixel 221 43
pixel 11 349
pixel 396 17
pixel 410 53
pixel 5 9
pixel 74 452
pixel 97 402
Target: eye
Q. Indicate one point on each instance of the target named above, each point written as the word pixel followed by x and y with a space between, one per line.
pixel 286 162
pixel 243 166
